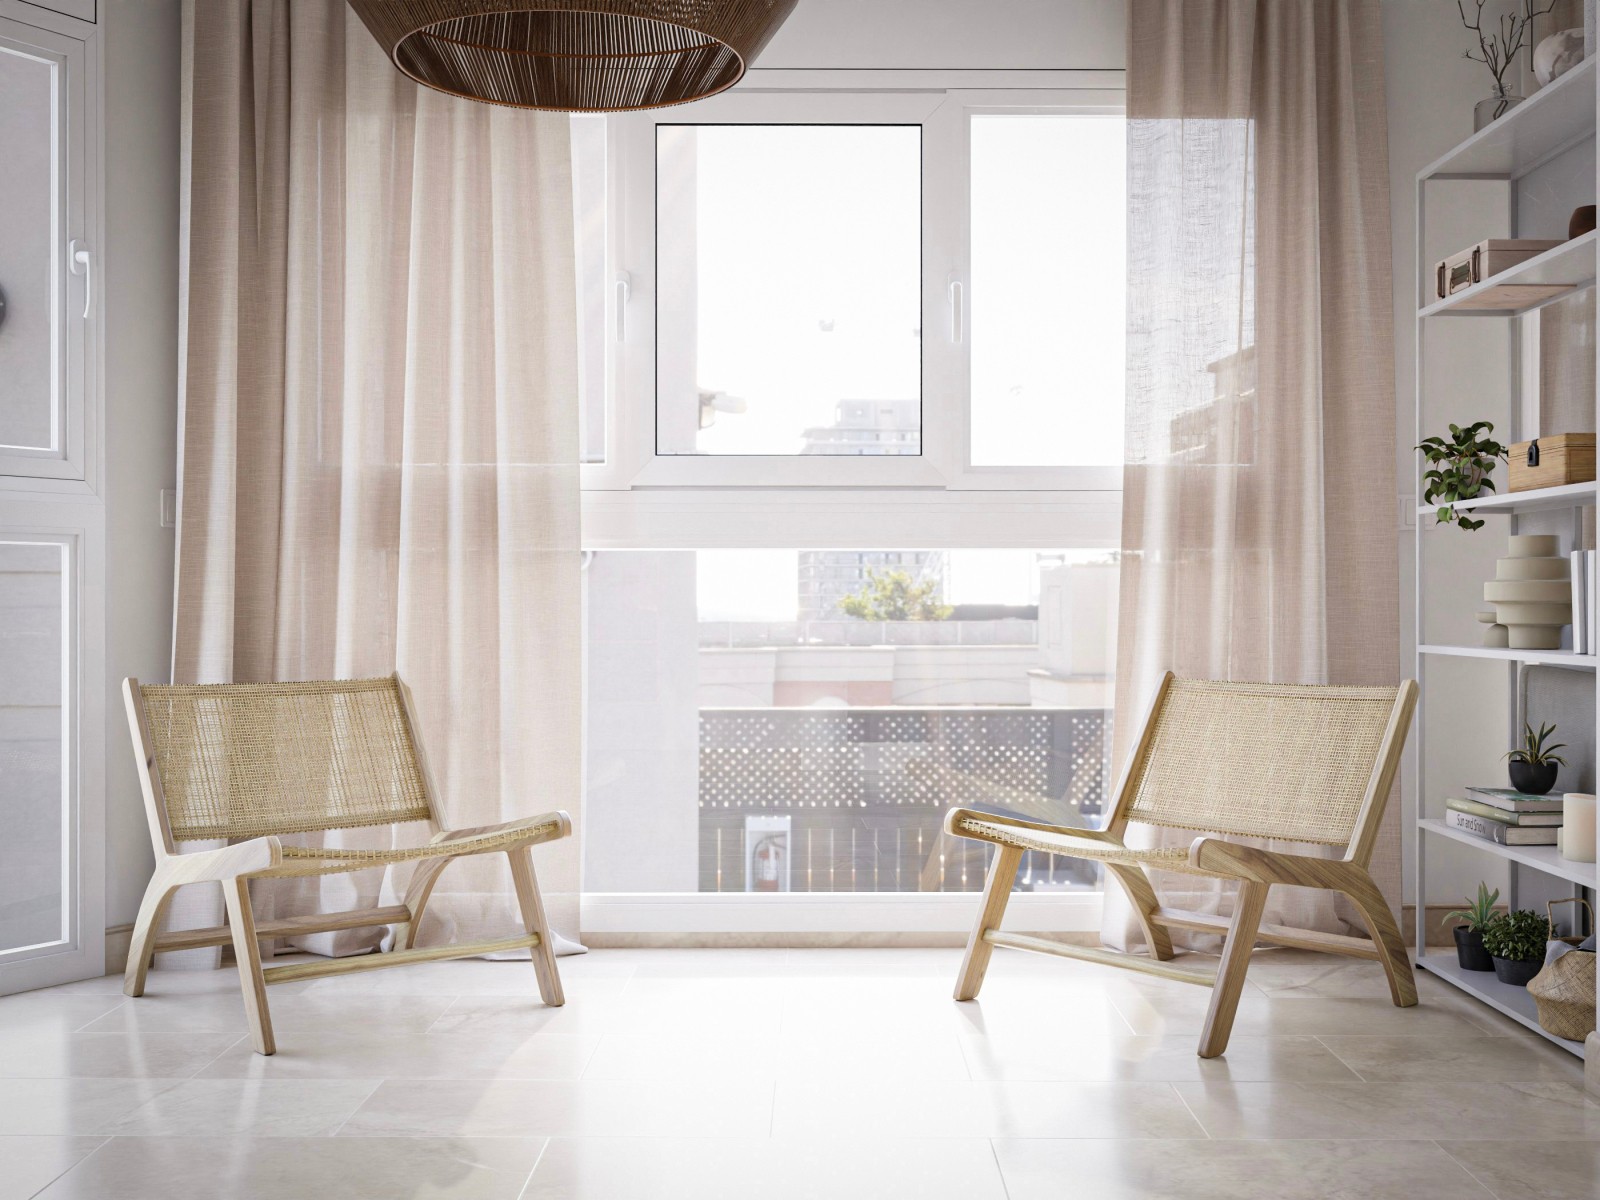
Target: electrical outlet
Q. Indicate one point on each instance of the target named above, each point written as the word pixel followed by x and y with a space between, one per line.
pixel 169 508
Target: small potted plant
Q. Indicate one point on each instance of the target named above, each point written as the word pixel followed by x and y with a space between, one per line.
pixel 1458 469
pixel 1478 915
pixel 1516 941
pixel 1534 765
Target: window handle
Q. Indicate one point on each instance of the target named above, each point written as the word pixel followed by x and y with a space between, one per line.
pixel 624 286
pixel 80 262
pixel 958 309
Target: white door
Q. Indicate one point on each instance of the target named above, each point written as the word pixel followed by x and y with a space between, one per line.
pixel 52 665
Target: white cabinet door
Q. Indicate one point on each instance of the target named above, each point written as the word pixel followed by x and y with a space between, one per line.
pixel 52 517
pixel 48 267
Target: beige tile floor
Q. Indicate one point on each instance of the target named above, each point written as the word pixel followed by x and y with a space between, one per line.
pixel 795 1074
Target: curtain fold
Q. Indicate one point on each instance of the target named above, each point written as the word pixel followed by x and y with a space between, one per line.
pixel 378 424
pixel 1258 529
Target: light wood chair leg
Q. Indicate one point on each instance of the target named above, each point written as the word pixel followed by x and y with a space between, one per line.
pixel 533 920
pixel 247 949
pixel 1143 898
pixel 996 892
pixel 142 947
pixel 416 901
pixel 1385 935
pixel 1247 910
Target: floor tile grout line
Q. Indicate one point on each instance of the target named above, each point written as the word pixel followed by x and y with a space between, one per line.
pixel 218 1056
pixel 994 1152
pixel 533 1170
pixel 1189 1108
pixel 123 1003
pixel 351 1114
pixel 1318 1038
pixel 1470 1172
pixel 105 1140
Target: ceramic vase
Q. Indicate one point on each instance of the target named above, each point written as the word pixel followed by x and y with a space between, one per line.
pixel 1531 593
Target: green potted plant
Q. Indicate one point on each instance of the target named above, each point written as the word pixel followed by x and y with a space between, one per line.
pixel 1478 914
pixel 1534 765
pixel 1516 941
pixel 1458 469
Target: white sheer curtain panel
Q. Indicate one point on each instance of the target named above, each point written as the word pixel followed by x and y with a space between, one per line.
pixel 378 432
pixel 1259 494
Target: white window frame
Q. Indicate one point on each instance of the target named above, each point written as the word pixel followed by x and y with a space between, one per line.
pixel 639 500
pixel 631 460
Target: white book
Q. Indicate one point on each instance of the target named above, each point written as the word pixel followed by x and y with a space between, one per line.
pixel 1591 632
pixel 1580 576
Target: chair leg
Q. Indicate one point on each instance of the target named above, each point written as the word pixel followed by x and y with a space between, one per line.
pixel 1386 937
pixel 417 894
pixel 1247 910
pixel 1143 898
pixel 142 947
pixel 1002 874
pixel 247 949
pixel 533 920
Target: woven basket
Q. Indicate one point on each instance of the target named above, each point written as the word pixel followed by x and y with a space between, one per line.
pixel 1565 990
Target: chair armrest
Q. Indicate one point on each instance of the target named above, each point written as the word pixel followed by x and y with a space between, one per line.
pixel 228 862
pixel 956 815
pixel 558 816
pixel 1272 866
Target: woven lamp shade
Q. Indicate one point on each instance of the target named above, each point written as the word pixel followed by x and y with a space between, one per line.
pixel 575 55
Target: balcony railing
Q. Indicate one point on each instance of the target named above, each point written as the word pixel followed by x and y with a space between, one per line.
pixel 853 799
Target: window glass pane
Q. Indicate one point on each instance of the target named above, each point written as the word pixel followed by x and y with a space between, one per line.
pixel 1048 269
pixel 32 795
pixel 788 307
pixel 29 246
pixel 801 720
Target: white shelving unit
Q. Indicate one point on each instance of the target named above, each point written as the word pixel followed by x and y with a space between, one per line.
pixel 1557 120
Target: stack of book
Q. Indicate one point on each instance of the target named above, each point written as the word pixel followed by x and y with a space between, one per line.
pixel 1584 631
pixel 1507 817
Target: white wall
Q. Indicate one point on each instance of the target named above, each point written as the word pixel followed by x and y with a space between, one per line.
pixel 951 34
pixel 141 390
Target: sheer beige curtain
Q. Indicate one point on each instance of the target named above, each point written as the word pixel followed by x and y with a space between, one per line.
pixel 379 430
pixel 1258 525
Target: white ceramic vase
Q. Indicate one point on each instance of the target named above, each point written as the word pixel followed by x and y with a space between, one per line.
pixel 1531 594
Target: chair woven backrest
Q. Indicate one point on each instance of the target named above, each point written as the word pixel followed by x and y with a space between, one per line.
pixel 1261 760
pixel 250 759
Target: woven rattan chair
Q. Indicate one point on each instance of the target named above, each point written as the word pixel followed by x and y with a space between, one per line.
pixel 259 761
pixel 1298 763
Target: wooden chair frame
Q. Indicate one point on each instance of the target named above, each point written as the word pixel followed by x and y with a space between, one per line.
pixel 1256 871
pixel 234 866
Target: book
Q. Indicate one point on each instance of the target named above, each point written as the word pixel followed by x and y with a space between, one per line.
pixel 1589 596
pixel 1580 605
pixel 1498 832
pixel 1491 813
pixel 1512 801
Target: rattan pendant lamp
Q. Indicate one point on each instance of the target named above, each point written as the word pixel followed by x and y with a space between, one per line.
pixel 575 55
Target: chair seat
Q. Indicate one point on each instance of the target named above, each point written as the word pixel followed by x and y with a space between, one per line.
pixel 331 860
pixel 1164 858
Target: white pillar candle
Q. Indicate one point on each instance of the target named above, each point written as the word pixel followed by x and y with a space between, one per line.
pixel 1578 827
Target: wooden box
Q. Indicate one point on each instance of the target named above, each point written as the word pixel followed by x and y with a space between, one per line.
pixel 1559 459
pixel 1489 257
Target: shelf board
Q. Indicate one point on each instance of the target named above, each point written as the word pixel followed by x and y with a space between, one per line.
pixel 1557 658
pixel 1552 120
pixel 1568 495
pixel 1506 998
pixel 1540 858
pixel 1528 285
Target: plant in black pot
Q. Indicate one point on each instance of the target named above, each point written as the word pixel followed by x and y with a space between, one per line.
pixel 1469 937
pixel 1534 765
pixel 1516 941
